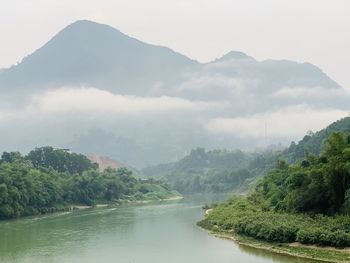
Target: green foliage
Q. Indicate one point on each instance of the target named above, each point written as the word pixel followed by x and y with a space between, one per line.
pixel 324 237
pixel 245 217
pixel 48 180
pixel 213 171
pixel 313 143
pixel 26 191
pixel 316 185
pixel 59 159
pixel 308 202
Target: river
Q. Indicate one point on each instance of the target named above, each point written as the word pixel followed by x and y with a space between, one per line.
pixel 163 232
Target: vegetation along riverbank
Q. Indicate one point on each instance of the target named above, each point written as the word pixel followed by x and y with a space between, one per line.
pixel 299 209
pixel 49 180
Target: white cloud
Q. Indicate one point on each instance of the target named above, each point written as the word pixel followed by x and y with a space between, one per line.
pixel 95 101
pixel 309 93
pixel 292 122
pixel 92 99
pixel 210 82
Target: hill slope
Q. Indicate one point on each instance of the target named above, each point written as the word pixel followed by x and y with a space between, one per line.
pixel 314 142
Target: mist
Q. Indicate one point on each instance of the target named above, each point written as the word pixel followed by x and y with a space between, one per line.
pixel 163 107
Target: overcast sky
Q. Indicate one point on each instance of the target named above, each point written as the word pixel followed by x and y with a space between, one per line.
pixel 316 31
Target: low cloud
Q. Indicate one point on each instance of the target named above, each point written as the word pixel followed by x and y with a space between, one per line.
pixel 309 93
pixel 95 101
pixel 92 99
pixel 291 122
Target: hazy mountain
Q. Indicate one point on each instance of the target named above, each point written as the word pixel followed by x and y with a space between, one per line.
pixel 91 54
pixel 96 90
pixel 213 171
pixel 218 170
pixel 86 53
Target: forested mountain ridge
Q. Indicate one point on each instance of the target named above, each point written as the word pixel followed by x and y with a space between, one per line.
pixel 48 180
pixel 222 170
pixel 213 171
pixel 313 143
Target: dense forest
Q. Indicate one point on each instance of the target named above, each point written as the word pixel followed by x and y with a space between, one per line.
pixel 308 201
pixel 48 180
pixel 213 171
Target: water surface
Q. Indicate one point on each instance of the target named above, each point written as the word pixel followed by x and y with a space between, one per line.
pixel 149 233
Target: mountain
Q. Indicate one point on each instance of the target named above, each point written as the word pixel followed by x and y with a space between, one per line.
pixel 86 53
pixel 272 74
pixel 91 54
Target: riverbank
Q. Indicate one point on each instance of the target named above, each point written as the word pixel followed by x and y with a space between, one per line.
pixel 295 249
pixel 332 255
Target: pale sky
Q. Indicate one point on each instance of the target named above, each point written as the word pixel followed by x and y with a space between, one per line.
pixel 315 31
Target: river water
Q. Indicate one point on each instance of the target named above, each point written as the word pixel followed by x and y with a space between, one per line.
pixel 163 232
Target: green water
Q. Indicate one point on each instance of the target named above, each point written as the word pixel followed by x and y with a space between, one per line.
pixel 149 233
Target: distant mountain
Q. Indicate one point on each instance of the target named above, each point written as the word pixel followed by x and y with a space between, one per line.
pixel 92 54
pixel 86 53
pixel 273 73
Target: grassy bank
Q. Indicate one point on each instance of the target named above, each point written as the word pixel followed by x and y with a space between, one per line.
pixel 241 220
pixel 323 254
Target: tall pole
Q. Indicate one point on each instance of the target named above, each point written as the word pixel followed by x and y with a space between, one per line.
pixel 265 134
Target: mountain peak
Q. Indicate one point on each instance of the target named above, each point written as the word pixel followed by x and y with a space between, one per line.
pixel 87 29
pixel 88 24
pixel 235 55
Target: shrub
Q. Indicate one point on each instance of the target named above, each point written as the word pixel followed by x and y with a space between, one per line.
pixel 245 218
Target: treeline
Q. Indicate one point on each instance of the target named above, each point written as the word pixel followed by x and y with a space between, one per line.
pixel 308 202
pixel 213 171
pixel 317 184
pixel 313 143
pixel 48 180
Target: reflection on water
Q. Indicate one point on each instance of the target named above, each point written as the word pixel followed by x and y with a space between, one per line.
pixel 272 257
pixel 149 233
